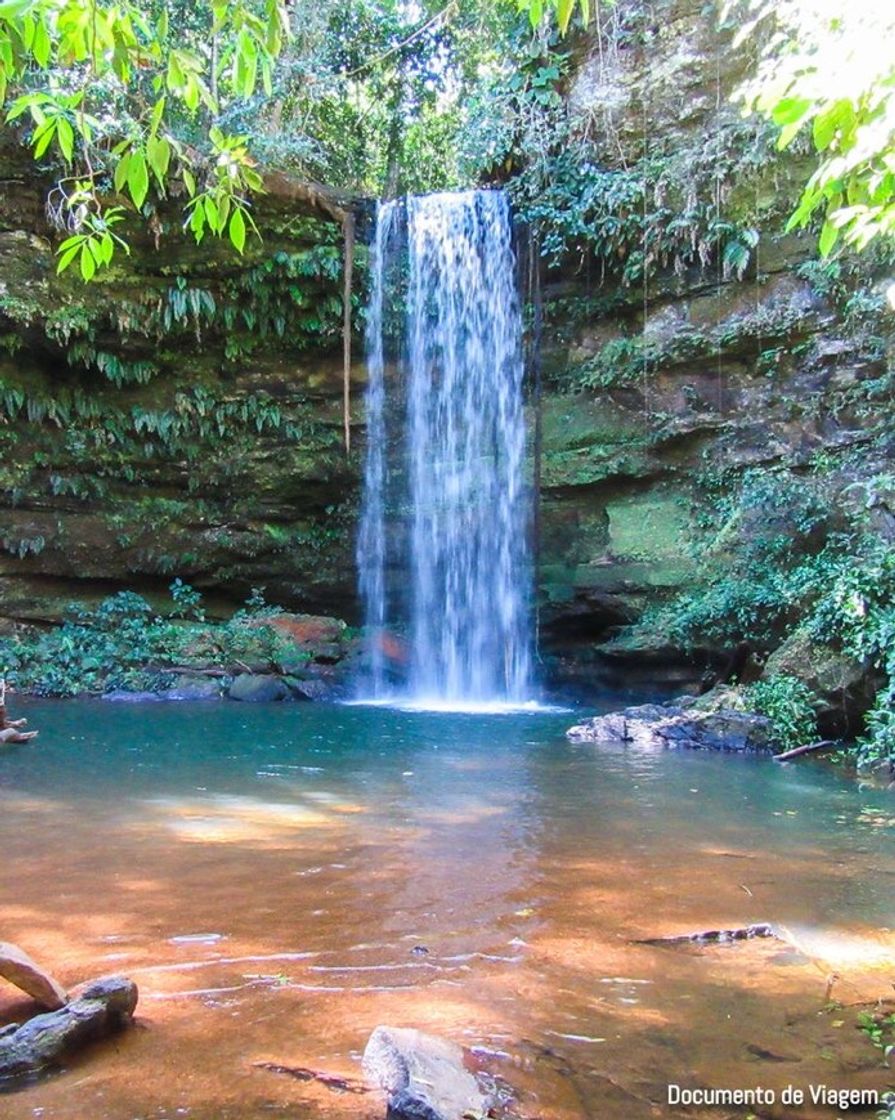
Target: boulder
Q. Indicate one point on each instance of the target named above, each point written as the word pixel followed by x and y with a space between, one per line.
pixel 844 687
pixel 311 689
pixel 189 687
pixel 123 696
pixel 669 725
pixel 99 1008
pixel 258 688
pixel 19 969
pixel 308 629
pixel 424 1077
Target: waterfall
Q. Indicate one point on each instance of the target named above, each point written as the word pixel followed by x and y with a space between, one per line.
pixel 445 455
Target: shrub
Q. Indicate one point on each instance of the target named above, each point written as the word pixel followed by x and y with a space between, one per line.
pixel 790 706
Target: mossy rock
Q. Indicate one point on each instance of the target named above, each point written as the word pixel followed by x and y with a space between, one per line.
pixel 845 686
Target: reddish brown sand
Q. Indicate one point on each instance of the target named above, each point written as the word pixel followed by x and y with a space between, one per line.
pixel 283 930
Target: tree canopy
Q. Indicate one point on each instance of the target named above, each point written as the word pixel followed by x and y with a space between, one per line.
pixel 133 101
pixel 828 69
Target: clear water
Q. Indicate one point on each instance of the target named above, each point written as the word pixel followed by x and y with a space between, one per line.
pixel 461 479
pixel 265 874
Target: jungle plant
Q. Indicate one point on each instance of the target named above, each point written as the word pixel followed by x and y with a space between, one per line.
pixel 879 1027
pixel 124 644
pixel 65 63
pixel 187 601
pixel 828 69
pixel 790 706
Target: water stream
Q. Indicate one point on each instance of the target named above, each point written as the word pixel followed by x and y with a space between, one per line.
pixel 279 879
pixel 456 477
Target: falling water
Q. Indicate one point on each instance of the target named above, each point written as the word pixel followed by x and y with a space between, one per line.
pixel 456 470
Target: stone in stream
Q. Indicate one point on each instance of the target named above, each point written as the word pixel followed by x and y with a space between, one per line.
pixel 424 1077
pixel 258 688
pixel 97 1009
pixel 668 725
pixel 19 969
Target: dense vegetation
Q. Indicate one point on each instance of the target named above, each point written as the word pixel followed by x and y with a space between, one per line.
pixel 152 124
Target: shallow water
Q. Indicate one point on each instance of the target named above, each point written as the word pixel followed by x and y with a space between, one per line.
pixel 266 873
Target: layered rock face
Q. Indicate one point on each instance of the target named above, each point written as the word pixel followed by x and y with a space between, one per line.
pixel 661 398
pixel 181 416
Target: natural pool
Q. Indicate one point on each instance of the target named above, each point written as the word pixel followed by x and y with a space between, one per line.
pixel 266 872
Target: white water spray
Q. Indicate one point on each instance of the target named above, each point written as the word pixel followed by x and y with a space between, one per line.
pixel 456 470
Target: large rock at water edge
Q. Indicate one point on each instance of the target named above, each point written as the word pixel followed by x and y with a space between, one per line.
pixel 100 1008
pixel 661 725
pixel 258 688
pixel 27 975
pixel 424 1077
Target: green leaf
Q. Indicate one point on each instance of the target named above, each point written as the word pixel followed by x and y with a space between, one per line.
pixel 176 78
pixel 197 220
pixel 158 111
pixel 788 133
pixel 65 136
pixel 191 93
pixel 88 264
pixel 189 181
pixel 788 110
pixel 12 9
pixel 69 254
pixel 158 151
pixel 238 230
pixel 828 236
pixel 41 46
pixel 121 170
pixel 43 136
pixel 564 9
pixel 107 248
pixel 138 178
pixel 211 213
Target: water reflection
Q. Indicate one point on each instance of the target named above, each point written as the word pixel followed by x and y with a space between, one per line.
pixel 281 879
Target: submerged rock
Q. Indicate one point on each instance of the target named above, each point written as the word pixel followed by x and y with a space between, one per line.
pixel 123 696
pixel 100 1008
pixel 311 689
pixel 27 975
pixel 189 687
pixel 183 687
pixel 668 725
pixel 258 688
pixel 424 1077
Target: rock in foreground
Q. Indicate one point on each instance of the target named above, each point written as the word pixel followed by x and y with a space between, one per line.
pixel 100 1008
pixel 424 1077
pixel 667 725
pixel 20 970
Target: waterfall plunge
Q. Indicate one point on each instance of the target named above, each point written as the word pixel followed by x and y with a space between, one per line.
pixel 445 456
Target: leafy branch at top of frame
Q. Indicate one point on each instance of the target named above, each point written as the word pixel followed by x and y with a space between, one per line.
pixel 101 85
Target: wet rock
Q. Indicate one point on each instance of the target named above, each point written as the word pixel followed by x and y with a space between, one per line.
pixel 186 687
pixel 181 688
pixel 424 1077
pixel 714 936
pixel 310 689
pixel 668 725
pixel 99 1008
pixel 123 696
pixel 257 688
pixel 19 969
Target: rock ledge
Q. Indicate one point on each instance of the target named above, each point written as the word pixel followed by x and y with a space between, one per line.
pixel 668 725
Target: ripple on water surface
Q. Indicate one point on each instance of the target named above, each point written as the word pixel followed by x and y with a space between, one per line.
pixel 281 879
